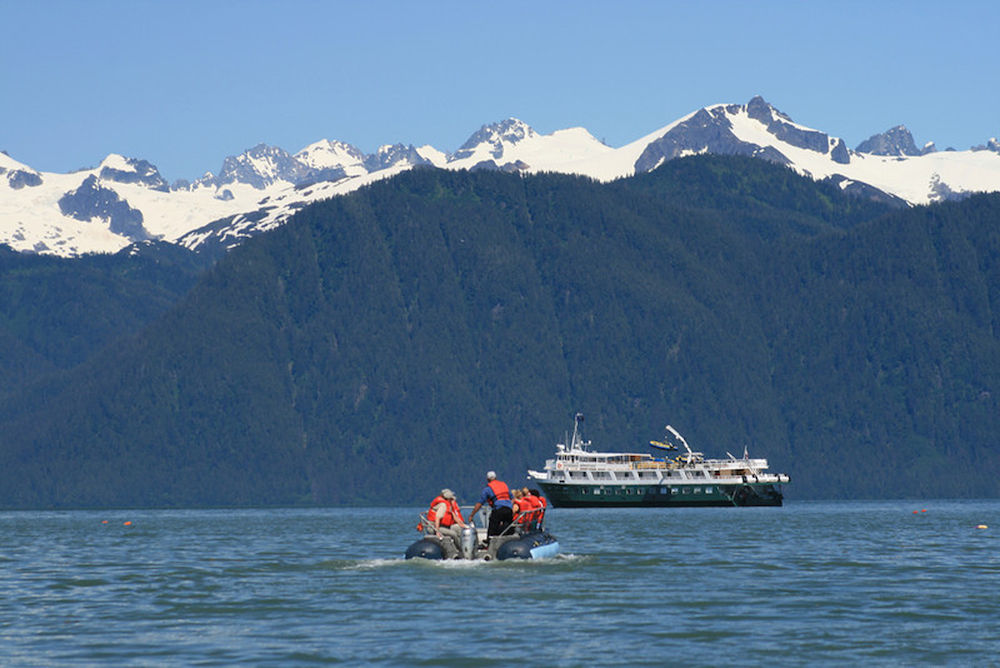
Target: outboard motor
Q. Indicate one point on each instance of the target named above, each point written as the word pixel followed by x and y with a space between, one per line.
pixel 469 542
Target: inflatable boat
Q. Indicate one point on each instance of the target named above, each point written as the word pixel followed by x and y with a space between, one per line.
pixel 525 538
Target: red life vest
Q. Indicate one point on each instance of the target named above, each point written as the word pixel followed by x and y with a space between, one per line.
pixel 450 515
pixel 456 512
pixel 499 490
pixel 526 504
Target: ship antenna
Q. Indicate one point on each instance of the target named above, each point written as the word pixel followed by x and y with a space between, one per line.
pixel 577 438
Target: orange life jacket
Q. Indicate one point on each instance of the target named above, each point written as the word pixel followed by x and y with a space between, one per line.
pixel 451 514
pixel 538 508
pixel 522 511
pixel 500 490
pixel 525 504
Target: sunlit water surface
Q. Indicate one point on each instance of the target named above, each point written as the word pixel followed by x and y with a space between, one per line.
pixel 892 583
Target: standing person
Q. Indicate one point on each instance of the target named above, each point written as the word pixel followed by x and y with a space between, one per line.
pixel 497 495
pixel 444 519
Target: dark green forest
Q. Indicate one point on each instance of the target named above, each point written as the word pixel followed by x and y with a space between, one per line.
pixel 55 312
pixel 415 333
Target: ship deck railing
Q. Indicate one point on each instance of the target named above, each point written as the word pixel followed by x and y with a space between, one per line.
pixel 658 465
pixel 732 479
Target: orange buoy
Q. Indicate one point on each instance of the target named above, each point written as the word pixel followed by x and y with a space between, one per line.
pixel 128 523
pixel 104 521
pixel 982 526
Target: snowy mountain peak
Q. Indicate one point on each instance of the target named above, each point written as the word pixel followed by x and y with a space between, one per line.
pixel 17 175
pixel 124 200
pixel 761 110
pixel 120 169
pixel 754 129
pixel 392 155
pixel 260 167
pixel 895 141
pixel 327 154
pixel 490 141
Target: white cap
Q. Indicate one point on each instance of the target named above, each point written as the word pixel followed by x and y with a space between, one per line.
pixel 491 475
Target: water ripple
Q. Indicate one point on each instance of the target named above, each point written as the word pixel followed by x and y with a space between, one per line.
pixel 815 583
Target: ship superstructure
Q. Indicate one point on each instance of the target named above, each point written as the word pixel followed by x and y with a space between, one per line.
pixel 581 477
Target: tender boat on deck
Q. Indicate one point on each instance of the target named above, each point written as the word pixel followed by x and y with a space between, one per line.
pixel 579 477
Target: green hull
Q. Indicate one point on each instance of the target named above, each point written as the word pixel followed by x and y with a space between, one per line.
pixel 676 496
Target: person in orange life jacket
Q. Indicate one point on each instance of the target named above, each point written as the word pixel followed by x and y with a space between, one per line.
pixel 519 505
pixel 497 495
pixel 444 520
pixel 541 503
pixel 529 506
pixel 530 498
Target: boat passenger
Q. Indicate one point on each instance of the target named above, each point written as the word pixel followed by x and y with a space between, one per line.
pixel 518 506
pixel 536 497
pixel 444 520
pixel 497 494
pixel 528 507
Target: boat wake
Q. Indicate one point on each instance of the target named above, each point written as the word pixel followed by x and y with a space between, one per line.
pixel 454 564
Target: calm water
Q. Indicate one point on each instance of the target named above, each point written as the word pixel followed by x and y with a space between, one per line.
pixel 826 583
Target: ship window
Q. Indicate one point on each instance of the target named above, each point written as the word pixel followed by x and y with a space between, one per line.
pixel 674 490
pixel 697 490
pixel 663 490
pixel 687 491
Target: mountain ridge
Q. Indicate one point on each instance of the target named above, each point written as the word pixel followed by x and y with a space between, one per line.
pixel 442 323
pixel 268 184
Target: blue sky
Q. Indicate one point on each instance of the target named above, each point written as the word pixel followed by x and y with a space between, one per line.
pixel 184 84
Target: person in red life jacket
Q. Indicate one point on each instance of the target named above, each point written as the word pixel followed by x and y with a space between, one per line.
pixel 497 495
pixel 444 520
pixel 532 496
pixel 519 506
pixel 540 504
pixel 522 507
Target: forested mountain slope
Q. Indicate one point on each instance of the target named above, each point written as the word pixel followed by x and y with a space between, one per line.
pixel 421 330
pixel 55 312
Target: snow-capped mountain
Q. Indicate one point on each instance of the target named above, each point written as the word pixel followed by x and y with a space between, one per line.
pixel 895 141
pixel 125 200
pixel 333 156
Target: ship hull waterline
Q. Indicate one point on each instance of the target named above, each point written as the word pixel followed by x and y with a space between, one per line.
pixel 625 496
